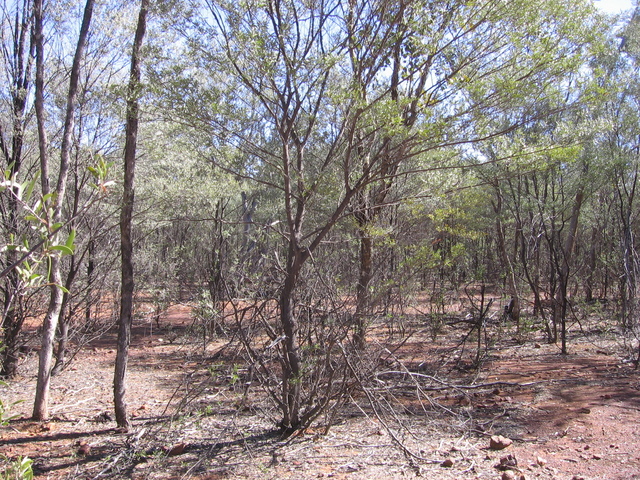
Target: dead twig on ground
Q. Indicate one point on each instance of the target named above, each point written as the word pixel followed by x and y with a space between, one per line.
pixel 448 386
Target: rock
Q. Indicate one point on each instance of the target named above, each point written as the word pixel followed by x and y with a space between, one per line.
pixel 511 475
pixel 176 449
pixel 448 463
pixel 507 463
pixel 498 442
pixel 84 449
pixel 541 461
pixel 102 417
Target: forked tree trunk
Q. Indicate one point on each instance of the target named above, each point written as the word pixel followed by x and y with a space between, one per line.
pixel 126 214
pixel 41 403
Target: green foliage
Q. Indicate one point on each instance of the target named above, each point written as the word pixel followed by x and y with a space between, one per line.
pixel 17 469
pixel 101 172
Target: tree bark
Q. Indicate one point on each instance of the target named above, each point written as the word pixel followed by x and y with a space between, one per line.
pixel 126 214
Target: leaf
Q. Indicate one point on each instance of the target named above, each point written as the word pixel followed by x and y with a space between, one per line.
pixel 28 188
pixel 70 239
pixel 62 248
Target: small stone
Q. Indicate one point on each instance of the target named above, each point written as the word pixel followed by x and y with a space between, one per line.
pixel 102 417
pixel 541 461
pixel 498 442
pixel 176 449
pixel 537 345
pixel 508 462
pixel 508 475
pixel 448 463
pixel 596 457
pixel 85 449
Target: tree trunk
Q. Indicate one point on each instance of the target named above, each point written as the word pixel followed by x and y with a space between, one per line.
pixel 291 368
pixel 591 267
pixel 63 337
pixel 560 310
pixel 12 317
pixel 507 265
pixel 41 402
pixel 126 214
pixel 41 408
pixel 363 301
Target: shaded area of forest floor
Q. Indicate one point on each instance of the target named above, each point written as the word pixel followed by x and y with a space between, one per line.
pixel 572 416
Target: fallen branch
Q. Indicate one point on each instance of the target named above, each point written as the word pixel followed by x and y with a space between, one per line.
pixel 447 386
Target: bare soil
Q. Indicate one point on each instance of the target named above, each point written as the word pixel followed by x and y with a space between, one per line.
pixel 569 416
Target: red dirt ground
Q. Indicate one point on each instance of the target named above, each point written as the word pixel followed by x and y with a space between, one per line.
pixel 569 416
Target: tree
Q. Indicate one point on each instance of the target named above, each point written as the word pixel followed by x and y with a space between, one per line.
pixel 127 288
pixel 17 53
pixel 50 322
pixel 329 103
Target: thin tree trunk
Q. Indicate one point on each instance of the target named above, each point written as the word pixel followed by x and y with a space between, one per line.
pixel 126 245
pixel 291 361
pixel 63 337
pixel 563 280
pixel 362 289
pixel 12 317
pixel 507 265
pixel 41 402
pixel 591 267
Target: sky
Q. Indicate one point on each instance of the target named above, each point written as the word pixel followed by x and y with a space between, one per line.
pixel 613 6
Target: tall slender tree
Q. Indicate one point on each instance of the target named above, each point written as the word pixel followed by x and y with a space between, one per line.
pixel 17 55
pixel 126 215
pixel 50 323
